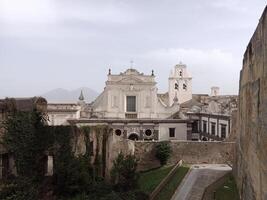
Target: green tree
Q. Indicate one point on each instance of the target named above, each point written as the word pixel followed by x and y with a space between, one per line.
pixel 73 175
pixel 163 152
pixel 123 173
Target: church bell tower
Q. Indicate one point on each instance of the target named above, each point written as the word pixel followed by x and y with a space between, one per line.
pixel 180 84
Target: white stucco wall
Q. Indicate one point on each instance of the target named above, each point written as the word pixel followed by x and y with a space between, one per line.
pixel 181 76
pixel 180 131
pixel 112 101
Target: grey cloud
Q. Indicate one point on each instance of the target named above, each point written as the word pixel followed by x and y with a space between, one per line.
pixel 73 43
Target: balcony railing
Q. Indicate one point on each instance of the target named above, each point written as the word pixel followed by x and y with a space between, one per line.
pixel 131 115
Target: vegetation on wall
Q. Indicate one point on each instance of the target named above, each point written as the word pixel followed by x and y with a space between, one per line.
pixel 26 140
pixel 163 152
pixel 29 140
pixel 123 173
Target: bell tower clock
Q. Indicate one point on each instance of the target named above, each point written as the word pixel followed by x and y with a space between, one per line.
pixel 180 84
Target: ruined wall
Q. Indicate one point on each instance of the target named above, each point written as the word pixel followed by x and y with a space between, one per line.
pixel 189 151
pixel 251 161
pixel 116 145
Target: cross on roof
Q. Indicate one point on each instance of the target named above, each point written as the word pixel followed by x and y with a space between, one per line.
pixel 131 64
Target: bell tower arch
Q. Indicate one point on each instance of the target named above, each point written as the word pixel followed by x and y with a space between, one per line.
pixel 180 84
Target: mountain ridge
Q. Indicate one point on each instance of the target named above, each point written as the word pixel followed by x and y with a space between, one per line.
pixel 61 95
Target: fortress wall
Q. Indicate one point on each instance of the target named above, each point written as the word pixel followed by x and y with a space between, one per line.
pixel 251 160
pixel 189 151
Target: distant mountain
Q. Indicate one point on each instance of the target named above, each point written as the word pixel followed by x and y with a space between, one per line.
pixel 69 96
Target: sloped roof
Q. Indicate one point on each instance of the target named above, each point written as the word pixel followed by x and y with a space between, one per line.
pixel 191 103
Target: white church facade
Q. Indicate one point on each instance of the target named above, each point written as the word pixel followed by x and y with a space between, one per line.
pixel 131 105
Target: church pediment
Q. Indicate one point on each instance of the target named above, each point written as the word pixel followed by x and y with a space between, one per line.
pixel 132 72
pixel 130 80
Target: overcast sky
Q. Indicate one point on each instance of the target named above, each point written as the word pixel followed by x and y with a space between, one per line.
pixel 48 44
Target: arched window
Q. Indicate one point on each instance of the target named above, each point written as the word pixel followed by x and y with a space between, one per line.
pixel 133 137
pixel 176 86
pixel 184 86
pixel 181 73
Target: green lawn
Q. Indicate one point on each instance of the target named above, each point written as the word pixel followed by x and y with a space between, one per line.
pixel 228 191
pixel 149 180
pixel 169 189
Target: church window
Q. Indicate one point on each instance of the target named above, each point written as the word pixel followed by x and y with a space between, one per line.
pixel 131 103
pixel 181 73
pixel 176 86
pixel 184 86
pixel 148 132
pixel 118 132
pixel 171 132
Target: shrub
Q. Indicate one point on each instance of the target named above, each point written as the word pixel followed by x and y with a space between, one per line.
pixel 163 152
pixel 123 172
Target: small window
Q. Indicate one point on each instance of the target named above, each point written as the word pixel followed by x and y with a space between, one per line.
pixel 148 132
pixel 213 127
pixel 131 103
pixel 195 127
pixel 223 131
pixel 171 132
pixel 118 132
pixel 176 86
pixel 184 86
pixel 204 126
pixel 181 73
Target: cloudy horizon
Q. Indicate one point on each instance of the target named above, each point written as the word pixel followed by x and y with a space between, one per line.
pixel 48 44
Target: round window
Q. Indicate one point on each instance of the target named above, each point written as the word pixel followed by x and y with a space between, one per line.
pixel 148 132
pixel 118 132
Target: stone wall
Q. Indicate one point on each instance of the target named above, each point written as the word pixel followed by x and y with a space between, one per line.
pixel 116 145
pixel 189 151
pixel 251 161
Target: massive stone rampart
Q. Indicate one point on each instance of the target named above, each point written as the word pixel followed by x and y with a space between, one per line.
pixel 189 151
pixel 251 161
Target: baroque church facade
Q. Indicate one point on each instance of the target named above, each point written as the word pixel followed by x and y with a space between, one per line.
pixel 131 105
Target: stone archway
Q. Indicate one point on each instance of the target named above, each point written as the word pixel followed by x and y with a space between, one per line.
pixel 205 139
pixel 133 136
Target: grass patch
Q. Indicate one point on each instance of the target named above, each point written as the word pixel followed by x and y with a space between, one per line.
pixel 228 191
pixel 149 180
pixel 169 189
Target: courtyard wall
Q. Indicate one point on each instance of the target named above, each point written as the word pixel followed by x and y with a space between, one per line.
pixel 189 151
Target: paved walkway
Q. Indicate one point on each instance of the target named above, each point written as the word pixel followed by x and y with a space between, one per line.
pixel 198 178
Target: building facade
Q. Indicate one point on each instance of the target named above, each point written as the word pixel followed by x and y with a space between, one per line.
pixel 131 105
